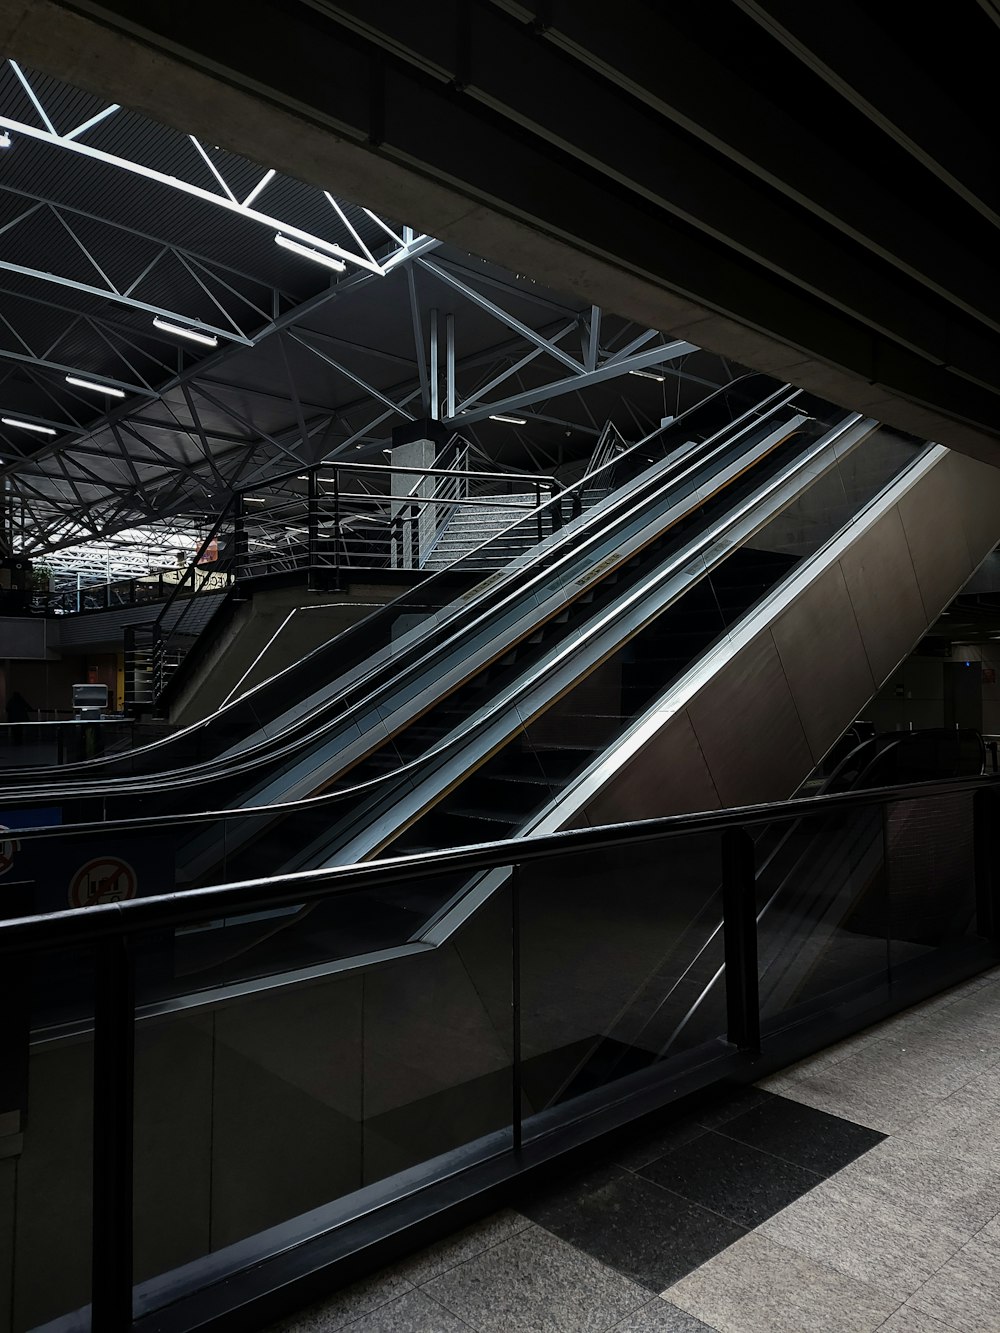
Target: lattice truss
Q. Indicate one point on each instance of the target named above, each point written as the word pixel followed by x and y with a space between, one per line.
pixel 177 323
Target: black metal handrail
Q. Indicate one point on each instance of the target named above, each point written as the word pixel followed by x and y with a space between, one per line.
pixel 73 927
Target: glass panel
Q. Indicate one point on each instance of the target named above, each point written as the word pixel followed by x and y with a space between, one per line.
pixel 621 964
pixel 931 876
pixel 438 1043
pixel 822 908
pixel 46 1127
pixel 257 1107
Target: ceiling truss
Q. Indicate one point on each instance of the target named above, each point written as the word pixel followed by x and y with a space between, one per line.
pixel 289 383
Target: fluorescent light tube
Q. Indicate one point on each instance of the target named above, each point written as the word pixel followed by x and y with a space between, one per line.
pixel 97 388
pixel 253 500
pixel 307 252
pixel 648 375
pixel 28 425
pixel 512 421
pixel 196 336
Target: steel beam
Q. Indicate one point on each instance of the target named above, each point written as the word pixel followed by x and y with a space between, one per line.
pixel 641 361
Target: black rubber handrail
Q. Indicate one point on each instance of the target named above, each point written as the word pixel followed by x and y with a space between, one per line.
pixel 75 927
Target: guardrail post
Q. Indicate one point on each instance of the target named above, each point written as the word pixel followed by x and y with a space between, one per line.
pixel 986 847
pixel 739 917
pixel 114 1091
pixel 515 1007
pixel 312 524
pixel 241 548
pixel 556 508
pixel 336 530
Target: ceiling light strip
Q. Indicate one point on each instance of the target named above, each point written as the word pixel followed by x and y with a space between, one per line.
pixel 28 425
pixel 308 252
pixel 195 335
pixel 109 389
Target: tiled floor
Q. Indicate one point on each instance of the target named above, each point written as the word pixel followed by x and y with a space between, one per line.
pixel 857 1191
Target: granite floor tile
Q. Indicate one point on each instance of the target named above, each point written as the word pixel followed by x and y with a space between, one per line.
pixel 930 1069
pixel 990 1234
pixel 961 1191
pixel 425 1264
pixel 730 1178
pixel 985 999
pixel 920 1013
pixel 649 1234
pixel 661 1316
pixel 778 1083
pixel 814 1064
pixel 802 1135
pixel 965 1292
pixel 967 1123
pixel 892 1248
pixel 867 1098
pixel 413 1313
pixel 986 1085
pixel 759 1286
pixel 650 1147
pixel 348 1305
pixel 908 1320
pixel 956 1021
pixel 536 1283
pixel 934 1059
pixel 729 1103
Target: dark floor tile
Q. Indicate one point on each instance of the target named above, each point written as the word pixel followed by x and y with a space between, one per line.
pixel 660 1316
pixel 727 1103
pixel 644 1232
pixel 739 1182
pixel 802 1135
pixel 649 1147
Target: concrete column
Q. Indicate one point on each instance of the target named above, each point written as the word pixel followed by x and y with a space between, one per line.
pixel 419 453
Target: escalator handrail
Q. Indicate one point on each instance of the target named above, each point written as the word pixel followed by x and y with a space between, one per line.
pixel 71 927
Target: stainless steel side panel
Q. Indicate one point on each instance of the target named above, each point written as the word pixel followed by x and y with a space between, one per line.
pixel 753 717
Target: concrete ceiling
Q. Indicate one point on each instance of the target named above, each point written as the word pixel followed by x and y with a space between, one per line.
pixel 814 198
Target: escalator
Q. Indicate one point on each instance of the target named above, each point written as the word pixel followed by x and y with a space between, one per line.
pixel 297 697
pixel 455 734
pixel 476 764
pixel 500 751
pixel 513 613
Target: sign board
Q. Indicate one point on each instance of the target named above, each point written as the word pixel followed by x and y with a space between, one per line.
pixel 70 871
pixel 105 879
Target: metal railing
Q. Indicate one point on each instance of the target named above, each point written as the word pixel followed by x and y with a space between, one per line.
pixel 752 968
pixel 343 523
pixel 340 520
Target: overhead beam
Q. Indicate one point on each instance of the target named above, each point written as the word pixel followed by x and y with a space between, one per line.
pixel 641 361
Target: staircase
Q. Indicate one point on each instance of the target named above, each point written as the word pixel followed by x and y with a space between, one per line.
pixel 507 519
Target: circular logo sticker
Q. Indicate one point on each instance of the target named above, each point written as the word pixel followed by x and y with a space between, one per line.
pixel 8 847
pixel 105 880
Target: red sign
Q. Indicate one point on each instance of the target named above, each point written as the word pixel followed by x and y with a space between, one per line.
pixel 105 880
